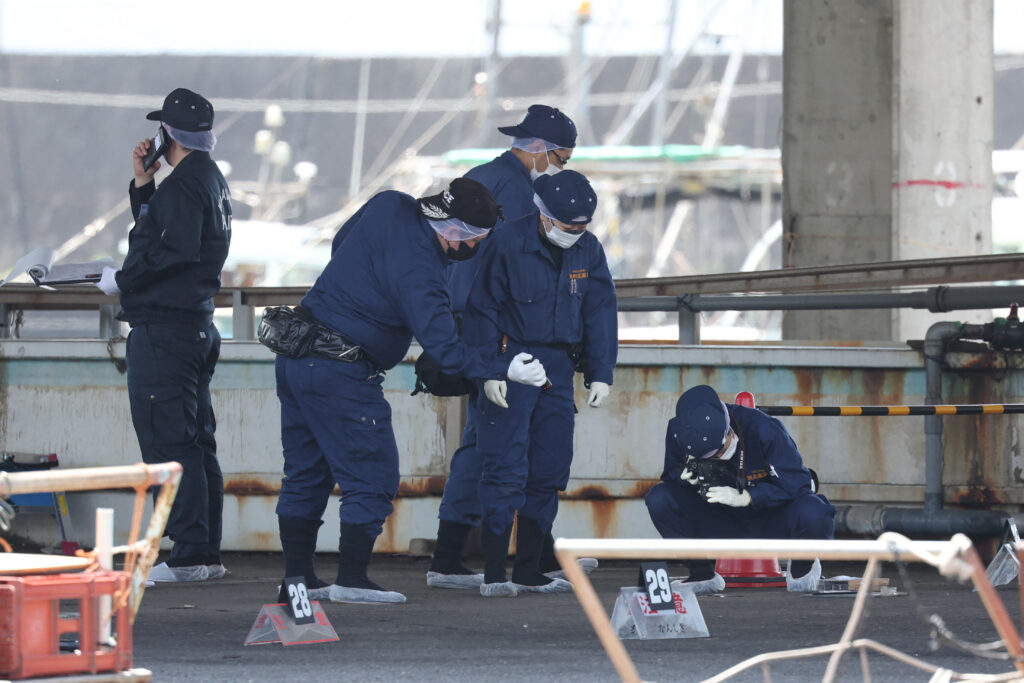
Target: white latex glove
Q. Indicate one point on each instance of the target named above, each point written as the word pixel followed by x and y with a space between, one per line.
pixel 688 477
pixel 727 495
pixel 496 390
pixel 527 370
pixel 598 393
pixel 107 283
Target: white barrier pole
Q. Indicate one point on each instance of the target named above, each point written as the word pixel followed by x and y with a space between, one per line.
pixel 105 558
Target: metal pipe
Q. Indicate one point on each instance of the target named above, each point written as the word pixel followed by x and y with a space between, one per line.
pixel 935 340
pixel 935 299
pixel 873 520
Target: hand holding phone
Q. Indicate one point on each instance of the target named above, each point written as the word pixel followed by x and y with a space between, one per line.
pixel 157 146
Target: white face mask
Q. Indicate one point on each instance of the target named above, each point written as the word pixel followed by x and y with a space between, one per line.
pixel 731 450
pixel 550 170
pixel 560 238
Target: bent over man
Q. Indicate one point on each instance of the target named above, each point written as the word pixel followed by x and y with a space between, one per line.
pixel 734 472
pixel 176 251
pixel 543 285
pixel 384 285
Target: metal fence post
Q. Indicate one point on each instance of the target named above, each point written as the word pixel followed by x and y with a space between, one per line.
pixel 689 322
pixel 110 326
pixel 242 317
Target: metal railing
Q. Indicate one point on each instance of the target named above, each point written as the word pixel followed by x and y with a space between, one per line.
pixel 785 289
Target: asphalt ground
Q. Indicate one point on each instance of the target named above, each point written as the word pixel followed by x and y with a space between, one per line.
pixel 196 631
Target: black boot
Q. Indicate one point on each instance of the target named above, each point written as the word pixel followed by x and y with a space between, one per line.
pixel 526 572
pixel 551 568
pixel 495 549
pixel 548 561
pixel 446 568
pixel 451 537
pixel 352 584
pixel 700 570
pixel 298 542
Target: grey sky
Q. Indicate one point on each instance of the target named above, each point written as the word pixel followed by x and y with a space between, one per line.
pixel 397 27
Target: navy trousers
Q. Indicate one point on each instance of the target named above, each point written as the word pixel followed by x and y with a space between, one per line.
pixel 526 449
pixel 336 429
pixel 169 371
pixel 460 501
pixel 678 511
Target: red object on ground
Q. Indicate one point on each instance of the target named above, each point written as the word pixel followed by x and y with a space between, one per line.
pixel 43 638
pixel 751 573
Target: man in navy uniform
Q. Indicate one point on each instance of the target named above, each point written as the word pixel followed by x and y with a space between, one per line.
pixel 384 285
pixel 542 144
pixel 176 251
pixel 760 488
pixel 543 285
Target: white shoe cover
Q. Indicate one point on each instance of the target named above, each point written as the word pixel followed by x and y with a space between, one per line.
pixel 338 593
pixel 716 584
pixel 587 564
pixel 556 586
pixel 322 593
pixel 217 571
pixel 438 580
pixel 805 584
pixel 164 574
pixel 505 589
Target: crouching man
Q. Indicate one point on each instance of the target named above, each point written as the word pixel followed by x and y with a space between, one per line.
pixel 734 472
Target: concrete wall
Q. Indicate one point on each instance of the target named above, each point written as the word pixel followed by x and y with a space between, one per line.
pixel 942 136
pixel 67 397
pixel 837 150
pixel 887 143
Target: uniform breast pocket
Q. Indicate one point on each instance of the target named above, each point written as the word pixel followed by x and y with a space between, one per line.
pixel 533 300
pixel 527 290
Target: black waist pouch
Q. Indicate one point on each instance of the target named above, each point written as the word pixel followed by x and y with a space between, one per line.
pixel 287 331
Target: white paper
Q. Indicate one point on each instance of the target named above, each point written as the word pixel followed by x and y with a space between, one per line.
pixel 38 260
pixel 39 265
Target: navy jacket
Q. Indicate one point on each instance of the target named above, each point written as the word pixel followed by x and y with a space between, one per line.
pixel 773 471
pixel 385 284
pixel 510 185
pixel 177 248
pixel 519 292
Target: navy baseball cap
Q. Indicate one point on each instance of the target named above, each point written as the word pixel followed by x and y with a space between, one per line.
pixel 185 110
pixel 465 199
pixel 546 123
pixel 701 422
pixel 567 197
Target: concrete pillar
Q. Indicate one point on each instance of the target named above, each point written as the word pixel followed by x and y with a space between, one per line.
pixel 887 142
pixel 837 150
pixel 942 145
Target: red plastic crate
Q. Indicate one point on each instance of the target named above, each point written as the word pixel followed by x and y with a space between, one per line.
pixel 32 621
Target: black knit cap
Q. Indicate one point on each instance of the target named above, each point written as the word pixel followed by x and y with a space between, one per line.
pixel 464 199
pixel 185 110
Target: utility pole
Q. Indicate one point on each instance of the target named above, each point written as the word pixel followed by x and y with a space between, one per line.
pixel 664 73
pixel 488 79
pixel 579 74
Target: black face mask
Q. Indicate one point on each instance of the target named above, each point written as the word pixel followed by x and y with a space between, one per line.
pixel 464 253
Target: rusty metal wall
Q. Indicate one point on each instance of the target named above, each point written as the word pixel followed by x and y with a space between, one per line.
pixel 68 397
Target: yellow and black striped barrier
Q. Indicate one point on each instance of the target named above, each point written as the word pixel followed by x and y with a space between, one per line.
pixel 848 411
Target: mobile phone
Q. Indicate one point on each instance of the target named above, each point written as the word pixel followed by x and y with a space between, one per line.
pixel 157 146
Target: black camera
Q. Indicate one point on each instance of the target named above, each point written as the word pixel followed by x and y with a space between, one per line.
pixel 712 472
